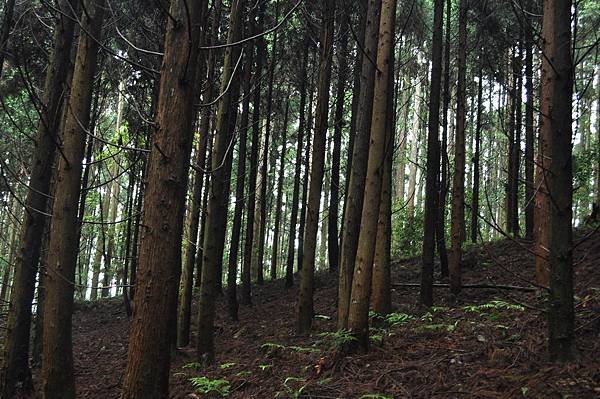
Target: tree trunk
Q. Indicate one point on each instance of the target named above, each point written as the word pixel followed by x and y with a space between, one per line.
pixel 433 159
pixel 9 9
pixel 414 158
pixel 305 300
pixel 216 217
pixel 148 362
pixel 333 212
pixel 476 161
pixel 355 195
pixel 15 368
pixel 556 128
pixel 289 267
pixel 232 269
pixel 358 315
pixel 529 135
pixel 303 205
pixel 57 366
pixel 458 186
pixel 279 200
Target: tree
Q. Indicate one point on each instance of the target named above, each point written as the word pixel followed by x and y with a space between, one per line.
pixel 159 269
pixel 216 217
pixel 305 300
pixel 57 365
pixel 556 130
pixel 15 369
pixel 458 184
pixel 358 168
pixel 358 315
pixel 433 158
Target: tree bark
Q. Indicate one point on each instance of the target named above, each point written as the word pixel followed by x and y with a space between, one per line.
pixel 458 186
pixel 216 217
pixel 57 366
pixel 355 195
pixel 15 368
pixel 476 161
pixel 433 159
pixel 305 300
pixel 358 315
pixel 556 128
pixel 158 274
pixel 9 9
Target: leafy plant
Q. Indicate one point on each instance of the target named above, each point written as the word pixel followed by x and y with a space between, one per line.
pixel 193 366
pixel 225 366
pixel 264 367
pixel 205 386
pixel 294 386
pixel 396 319
pixel 339 338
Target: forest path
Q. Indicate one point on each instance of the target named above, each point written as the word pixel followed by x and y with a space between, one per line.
pixel 489 344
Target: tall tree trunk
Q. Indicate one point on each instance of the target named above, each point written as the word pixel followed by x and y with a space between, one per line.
pixel 433 158
pixel 458 186
pixel 216 217
pixel 195 204
pixel 15 368
pixel 57 365
pixel 232 270
pixel 529 134
pixel 355 195
pixel 100 243
pixel 305 184
pixel 291 250
pixel 358 315
pixel 476 160
pixel 152 332
pixel 414 157
pixel 333 212
pixel 305 300
pixel 445 163
pixel 279 200
pixel 556 128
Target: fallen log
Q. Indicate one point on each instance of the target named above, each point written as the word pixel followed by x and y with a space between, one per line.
pixel 473 286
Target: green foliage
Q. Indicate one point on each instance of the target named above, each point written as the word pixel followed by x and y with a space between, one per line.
pixel 397 319
pixel 493 305
pixel 192 366
pixel 294 386
pixel 205 386
pixel 226 366
pixel 338 338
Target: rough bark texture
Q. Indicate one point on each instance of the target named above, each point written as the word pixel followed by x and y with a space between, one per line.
pixel 9 9
pixel 148 362
pixel 305 300
pixel 556 127
pixel 15 368
pixel 216 216
pixel 433 159
pixel 476 162
pixel 529 135
pixel 458 186
pixel 358 314
pixel 57 366
pixel 355 195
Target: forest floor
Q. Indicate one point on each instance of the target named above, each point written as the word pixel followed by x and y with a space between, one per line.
pixel 489 343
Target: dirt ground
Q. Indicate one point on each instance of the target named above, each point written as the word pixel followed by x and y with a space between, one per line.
pixel 488 343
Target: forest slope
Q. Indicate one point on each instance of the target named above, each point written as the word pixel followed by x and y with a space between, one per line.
pixel 491 344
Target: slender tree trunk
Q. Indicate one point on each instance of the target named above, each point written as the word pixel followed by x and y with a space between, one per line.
pixel 305 300
pixel 152 332
pixel 57 367
pixel 291 250
pixel 556 128
pixel 15 368
pixel 443 183
pixel 195 204
pixel 100 243
pixel 232 269
pixel 216 217
pixel 458 186
pixel 433 158
pixel 358 315
pixel 476 161
pixel 279 200
pixel 529 136
pixel 303 206
pixel 355 195
pixel 414 157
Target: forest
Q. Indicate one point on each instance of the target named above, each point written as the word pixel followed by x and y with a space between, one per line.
pixel 368 199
